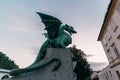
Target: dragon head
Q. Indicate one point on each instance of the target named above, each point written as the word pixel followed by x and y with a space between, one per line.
pixel 70 29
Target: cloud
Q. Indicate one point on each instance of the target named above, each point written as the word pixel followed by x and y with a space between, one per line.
pixel 98 65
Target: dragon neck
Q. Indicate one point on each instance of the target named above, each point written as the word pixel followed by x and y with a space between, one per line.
pixel 62 30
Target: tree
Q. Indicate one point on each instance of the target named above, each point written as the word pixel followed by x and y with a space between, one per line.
pixel 6 63
pixel 82 68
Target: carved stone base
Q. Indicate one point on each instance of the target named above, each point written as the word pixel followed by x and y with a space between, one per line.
pixel 65 72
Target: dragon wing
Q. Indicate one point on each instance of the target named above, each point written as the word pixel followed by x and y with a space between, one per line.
pixel 51 24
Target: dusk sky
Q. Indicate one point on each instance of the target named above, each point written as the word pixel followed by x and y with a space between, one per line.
pixel 21 28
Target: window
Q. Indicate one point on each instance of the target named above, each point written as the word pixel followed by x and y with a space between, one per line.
pixel 110 55
pixel 118 37
pixel 104 42
pixel 118 74
pixel 115 50
pixel 108 35
pixel 118 8
pixel 110 73
pixel 105 76
pixel 114 26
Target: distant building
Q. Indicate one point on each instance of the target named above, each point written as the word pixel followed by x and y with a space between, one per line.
pixel 94 75
pixel 110 39
pixel 3 72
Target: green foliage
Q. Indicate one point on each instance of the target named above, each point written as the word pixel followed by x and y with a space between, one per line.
pixel 6 63
pixel 82 68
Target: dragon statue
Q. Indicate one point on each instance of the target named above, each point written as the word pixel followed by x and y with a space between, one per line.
pixel 58 36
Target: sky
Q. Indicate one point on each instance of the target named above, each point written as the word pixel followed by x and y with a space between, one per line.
pixel 21 28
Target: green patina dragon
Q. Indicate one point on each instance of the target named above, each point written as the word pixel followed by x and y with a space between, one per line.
pixel 58 36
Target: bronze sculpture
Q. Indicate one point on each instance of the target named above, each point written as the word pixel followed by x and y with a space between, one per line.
pixel 58 36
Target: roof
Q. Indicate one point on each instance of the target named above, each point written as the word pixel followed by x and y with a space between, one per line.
pixel 4 71
pixel 105 19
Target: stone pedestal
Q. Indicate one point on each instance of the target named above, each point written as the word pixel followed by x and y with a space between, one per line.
pixel 65 71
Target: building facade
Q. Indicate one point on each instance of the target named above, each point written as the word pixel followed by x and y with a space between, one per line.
pixel 106 74
pixel 94 75
pixel 110 39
